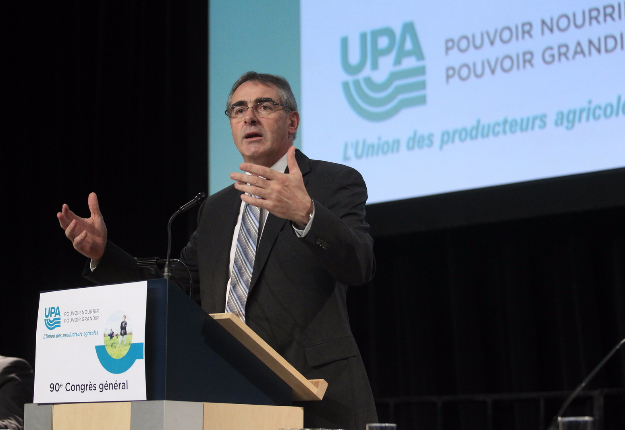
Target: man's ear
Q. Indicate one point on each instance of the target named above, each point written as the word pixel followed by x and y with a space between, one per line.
pixel 293 122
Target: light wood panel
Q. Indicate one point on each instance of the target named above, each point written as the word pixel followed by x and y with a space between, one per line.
pixel 226 416
pixel 303 389
pixel 91 416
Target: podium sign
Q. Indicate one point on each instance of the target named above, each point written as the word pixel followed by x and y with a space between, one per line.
pixel 91 344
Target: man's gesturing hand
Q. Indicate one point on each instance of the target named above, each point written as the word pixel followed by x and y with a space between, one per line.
pixel 282 194
pixel 88 235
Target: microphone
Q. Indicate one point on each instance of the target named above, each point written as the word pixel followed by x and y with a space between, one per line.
pixel 197 199
pixel 579 388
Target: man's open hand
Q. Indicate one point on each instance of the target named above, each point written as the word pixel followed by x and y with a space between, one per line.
pixel 282 194
pixel 88 235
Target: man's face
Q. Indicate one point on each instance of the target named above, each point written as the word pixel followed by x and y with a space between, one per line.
pixel 262 140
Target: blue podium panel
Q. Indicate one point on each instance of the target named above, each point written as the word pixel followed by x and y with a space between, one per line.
pixel 190 357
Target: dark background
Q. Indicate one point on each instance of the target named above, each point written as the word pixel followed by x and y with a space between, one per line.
pixel 510 290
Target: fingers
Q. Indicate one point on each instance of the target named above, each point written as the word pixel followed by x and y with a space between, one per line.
pixel 251 189
pixel 250 181
pixel 88 245
pixel 68 214
pixel 258 170
pixel 261 203
pixel 94 206
pixel 63 221
pixel 83 244
pixel 283 195
pixel 245 179
pixel 79 242
pixel 70 231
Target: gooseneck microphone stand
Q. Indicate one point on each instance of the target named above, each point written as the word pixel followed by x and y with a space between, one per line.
pixel 196 200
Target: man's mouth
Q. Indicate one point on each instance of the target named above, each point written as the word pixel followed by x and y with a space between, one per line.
pixel 252 135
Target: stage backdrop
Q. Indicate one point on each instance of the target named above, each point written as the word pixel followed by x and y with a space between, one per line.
pixel 424 98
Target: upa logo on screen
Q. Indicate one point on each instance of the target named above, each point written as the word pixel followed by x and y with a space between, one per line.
pixel 396 61
pixel 52 317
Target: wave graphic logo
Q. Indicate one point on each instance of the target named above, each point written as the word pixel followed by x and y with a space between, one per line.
pixel 404 86
pixel 52 317
pixel 122 364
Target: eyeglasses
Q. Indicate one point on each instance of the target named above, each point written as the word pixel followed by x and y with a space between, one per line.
pixel 262 109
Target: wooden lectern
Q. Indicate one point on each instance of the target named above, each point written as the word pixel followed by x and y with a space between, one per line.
pixel 202 373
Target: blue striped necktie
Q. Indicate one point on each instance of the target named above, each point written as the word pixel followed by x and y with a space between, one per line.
pixel 243 261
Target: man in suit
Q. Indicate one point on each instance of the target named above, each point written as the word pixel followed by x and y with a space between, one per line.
pixel 16 389
pixel 310 241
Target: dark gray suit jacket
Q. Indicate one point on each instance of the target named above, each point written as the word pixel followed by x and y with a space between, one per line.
pixel 298 288
pixel 16 389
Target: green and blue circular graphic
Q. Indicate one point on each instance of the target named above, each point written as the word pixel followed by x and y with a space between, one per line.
pixel 118 353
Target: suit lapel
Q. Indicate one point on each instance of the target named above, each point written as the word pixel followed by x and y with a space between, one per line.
pixel 273 225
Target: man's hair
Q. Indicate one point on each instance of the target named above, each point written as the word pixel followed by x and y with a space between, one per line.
pixel 286 94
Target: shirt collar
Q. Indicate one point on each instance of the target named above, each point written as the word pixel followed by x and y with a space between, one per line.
pixel 280 165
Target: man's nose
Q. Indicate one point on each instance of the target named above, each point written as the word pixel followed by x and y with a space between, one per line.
pixel 250 115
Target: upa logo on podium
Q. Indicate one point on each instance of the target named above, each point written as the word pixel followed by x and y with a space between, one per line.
pixel 53 317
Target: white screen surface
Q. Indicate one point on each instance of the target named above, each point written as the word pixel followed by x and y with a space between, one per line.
pixel 429 98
